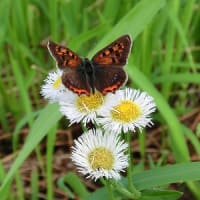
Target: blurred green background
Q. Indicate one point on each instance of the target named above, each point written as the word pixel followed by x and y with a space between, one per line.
pixel 165 62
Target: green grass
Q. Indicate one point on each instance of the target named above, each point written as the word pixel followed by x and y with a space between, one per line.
pixel 164 61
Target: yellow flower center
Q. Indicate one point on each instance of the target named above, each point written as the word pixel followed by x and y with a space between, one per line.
pixel 57 83
pixel 101 157
pixel 126 111
pixel 88 103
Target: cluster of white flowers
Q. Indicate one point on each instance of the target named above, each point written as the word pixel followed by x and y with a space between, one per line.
pixel 101 153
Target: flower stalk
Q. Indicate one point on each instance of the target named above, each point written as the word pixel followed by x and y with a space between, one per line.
pixel 136 193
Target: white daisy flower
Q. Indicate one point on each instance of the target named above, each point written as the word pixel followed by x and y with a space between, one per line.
pixel 100 155
pixel 127 110
pixel 82 108
pixel 53 88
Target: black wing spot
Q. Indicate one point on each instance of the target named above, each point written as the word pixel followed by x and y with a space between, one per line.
pixel 110 49
pixel 115 78
pixel 117 54
pixel 113 60
pixel 63 57
pixel 118 45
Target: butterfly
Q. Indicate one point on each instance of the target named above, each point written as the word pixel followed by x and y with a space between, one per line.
pixel 104 72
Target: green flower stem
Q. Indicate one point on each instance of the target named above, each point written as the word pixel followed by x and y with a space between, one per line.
pixel 108 185
pixel 135 192
pixel 84 128
pixel 123 191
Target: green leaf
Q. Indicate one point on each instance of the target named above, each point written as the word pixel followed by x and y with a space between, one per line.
pixel 168 174
pixel 18 74
pixel 192 138
pixel 51 139
pixel 34 185
pixel 99 194
pixel 157 177
pixel 74 183
pixel 160 195
pixel 178 78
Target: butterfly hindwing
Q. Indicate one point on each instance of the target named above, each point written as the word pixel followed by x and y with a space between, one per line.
pixel 76 82
pixel 115 53
pixel 63 56
pixel 110 79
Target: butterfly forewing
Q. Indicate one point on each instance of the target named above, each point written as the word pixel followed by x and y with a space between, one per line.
pixel 63 56
pixel 115 54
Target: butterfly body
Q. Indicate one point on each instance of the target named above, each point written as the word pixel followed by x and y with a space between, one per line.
pixel 104 72
pixel 87 70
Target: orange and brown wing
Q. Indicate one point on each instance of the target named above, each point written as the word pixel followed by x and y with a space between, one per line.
pixel 63 56
pixel 109 79
pixel 114 54
pixel 76 82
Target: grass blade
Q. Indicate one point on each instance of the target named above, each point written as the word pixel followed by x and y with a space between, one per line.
pixel 133 22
